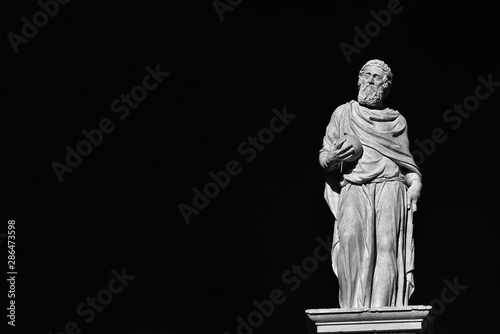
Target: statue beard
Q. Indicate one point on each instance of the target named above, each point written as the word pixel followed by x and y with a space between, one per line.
pixel 369 96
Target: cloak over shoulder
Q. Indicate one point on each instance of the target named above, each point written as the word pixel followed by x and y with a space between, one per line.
pixel 382 130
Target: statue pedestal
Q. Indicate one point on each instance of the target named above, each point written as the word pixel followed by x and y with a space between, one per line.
pixel 404 319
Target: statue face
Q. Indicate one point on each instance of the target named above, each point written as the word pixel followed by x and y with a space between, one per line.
pixel 371 89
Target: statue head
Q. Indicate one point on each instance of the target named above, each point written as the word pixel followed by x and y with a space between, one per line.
pixel 374 83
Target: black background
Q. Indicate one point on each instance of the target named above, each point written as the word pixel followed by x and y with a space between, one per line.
pixel 119 207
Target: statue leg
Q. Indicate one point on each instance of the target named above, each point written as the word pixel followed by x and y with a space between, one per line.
pixel 389 199
pixel 356 246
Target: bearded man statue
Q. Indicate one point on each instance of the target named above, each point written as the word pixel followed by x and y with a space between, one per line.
pixel 372 188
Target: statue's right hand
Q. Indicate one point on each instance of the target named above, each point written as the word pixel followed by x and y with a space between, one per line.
pixel 340 151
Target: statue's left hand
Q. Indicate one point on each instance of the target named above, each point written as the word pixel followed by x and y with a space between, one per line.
pixel 413 195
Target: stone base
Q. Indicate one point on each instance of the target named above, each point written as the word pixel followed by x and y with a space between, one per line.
pixel 405 319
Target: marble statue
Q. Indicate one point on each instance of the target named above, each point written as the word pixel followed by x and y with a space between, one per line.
pixel 372 188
